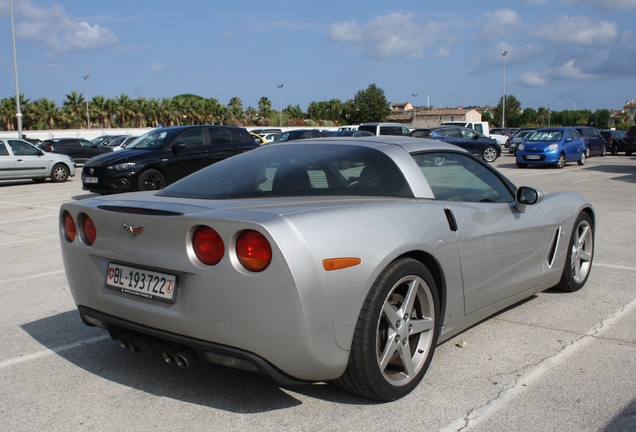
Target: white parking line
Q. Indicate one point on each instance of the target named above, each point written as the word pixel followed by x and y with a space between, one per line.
pixel 483 413
pixel 37 355
pixel 614 266
pixel 29 240
pixel 31 276
pixel 28 219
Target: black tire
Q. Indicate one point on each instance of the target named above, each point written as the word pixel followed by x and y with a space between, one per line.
pixel 522 165
pixel 587 151
pixel 582 160
pixel 561 160
pixel 579 255
pixel 490 154
pixel 603 152
pixel 59 173
pixel 392 347
pixel 151 180
pixel 614 151
pixel 628 152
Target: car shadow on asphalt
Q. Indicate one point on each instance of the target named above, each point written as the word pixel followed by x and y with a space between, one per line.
pixel 215 387
pixel 628 171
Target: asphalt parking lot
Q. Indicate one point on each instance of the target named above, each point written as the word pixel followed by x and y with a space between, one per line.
pixel 557 361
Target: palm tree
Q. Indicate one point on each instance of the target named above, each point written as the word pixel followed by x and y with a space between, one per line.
pixel 123 110
pixel 264 102
pixel 100 111
pixel 47 112
pixel 73 107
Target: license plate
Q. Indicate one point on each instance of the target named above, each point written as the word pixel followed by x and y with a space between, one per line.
pixel 90 179
pixel 143 283
pixel 533 157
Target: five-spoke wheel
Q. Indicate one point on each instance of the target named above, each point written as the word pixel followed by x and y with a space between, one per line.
pixel 578 260
pixel 396 333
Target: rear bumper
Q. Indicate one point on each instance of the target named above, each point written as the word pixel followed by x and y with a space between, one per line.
pixel 205 350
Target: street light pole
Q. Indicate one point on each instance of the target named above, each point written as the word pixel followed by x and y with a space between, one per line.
pixel 503 106
pixel 414 107
pixel 18 113
pixel 88 116
pixel 280 90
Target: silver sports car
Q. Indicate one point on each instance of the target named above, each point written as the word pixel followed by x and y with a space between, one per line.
pixel 332 259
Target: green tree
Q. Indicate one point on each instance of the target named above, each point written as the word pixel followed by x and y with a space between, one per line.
pixel 370 105
pixel 513 112
pixel 601 118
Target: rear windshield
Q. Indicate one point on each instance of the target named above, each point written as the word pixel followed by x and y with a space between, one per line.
pixel 296 170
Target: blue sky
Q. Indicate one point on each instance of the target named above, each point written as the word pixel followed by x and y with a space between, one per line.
pixel 568 54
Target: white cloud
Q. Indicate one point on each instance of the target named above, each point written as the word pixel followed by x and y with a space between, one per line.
pixel 498 24
pixel 607 5
pixel 533 79
pixel 583 31
pixel 565 72
pixel 158 67
pixel 568 71
pixel 54 28
pixel 387 36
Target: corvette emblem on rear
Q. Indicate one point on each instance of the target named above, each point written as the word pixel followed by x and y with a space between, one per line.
pixel 133 230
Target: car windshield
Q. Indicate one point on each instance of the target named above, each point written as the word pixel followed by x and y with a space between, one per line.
pixel 296 170
pixel 152 140
pixel 547 135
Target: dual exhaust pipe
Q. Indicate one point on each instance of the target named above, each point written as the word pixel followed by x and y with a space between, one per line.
pixel 179 355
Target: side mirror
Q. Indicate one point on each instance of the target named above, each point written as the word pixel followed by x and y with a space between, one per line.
pixel 177 147
pixel 40 152
pixel 475 137
pixel 568 139
pixel 527 196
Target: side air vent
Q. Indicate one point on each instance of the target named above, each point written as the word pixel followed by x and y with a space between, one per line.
pixel 138 210
pixel 554 247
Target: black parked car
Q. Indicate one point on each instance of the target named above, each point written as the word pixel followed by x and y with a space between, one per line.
pixel 299 134
pixel 614 140
pixel 163 156
pixel 594 141
pixel 79 149
pixel 469 139
pixel 630 141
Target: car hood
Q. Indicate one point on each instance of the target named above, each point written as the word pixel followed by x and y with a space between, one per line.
pixel 117 157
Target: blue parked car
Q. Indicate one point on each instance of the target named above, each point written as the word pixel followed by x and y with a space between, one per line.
pixel 552 146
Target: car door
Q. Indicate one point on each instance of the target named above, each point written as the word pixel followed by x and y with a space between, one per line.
pixel 28 161
pixel 597 142
pixel 7 162
pixel 502 251
pixel 188 152
pixel 573 144
pixel 89 149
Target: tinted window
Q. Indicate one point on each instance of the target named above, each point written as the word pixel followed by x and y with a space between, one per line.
pixel 288 170
pixel 152 140
pixel 219 135
pixel 368 128
pixel 3 150
pixel 390 130
pixel 191 138
pixel 458 177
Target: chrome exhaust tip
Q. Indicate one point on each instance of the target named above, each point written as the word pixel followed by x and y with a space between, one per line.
pixel 186 358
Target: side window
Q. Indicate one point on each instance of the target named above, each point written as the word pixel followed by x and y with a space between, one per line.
pixel 468 133
pixel 390 130
pixel 479 128
pixel 191 138
pixel 453 132
pixel 20 148
pixel 86 144
pixel 406 131
pixel 3 149
pixel 237 137
pixel 219 135
pixel 71 143
pixel 458 177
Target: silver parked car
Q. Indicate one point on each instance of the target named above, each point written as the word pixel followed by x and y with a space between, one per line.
pixel 338 259
pixel 20 159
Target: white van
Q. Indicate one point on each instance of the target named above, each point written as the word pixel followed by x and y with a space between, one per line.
pixel 481 127
pixel 377 129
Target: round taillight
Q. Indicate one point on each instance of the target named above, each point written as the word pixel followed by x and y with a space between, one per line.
pixel 89 231
pixel 208 245
pixel 70 230
pixel 253 251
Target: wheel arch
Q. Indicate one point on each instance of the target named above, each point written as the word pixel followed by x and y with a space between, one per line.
pixel 438 276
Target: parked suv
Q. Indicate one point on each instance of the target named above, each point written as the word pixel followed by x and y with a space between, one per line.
pixel 630 141
pixel 79 149
pixel 163 156
pixel 614 140
pixel 385 129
